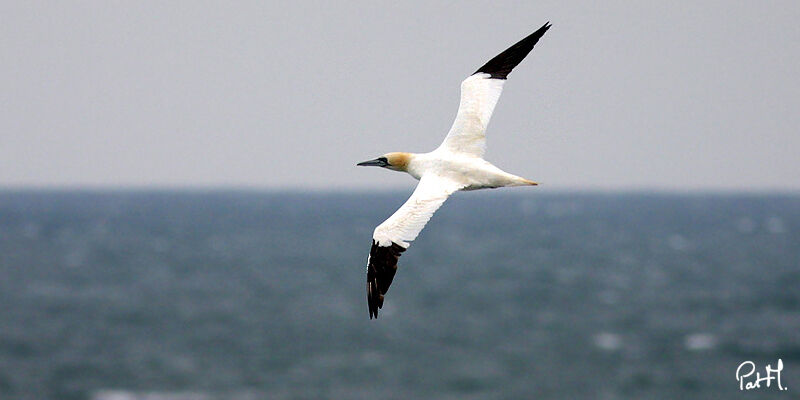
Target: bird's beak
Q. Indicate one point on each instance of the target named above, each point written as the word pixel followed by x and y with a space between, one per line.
pixel 378 162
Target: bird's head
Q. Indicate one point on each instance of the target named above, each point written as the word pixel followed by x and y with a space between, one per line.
pixel 393 161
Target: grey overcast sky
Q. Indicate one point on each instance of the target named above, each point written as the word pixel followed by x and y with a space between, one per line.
pixel 617 95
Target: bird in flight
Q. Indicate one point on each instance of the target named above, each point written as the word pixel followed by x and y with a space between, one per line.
pixel 457 164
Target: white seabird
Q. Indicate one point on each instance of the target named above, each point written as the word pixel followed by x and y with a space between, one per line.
pixel 457 164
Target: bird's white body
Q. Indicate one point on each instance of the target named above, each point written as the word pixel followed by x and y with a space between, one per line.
pixel 441 173
pixel 471 173
pixel 457 164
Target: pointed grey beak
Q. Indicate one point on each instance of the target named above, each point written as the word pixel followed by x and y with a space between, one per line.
pixel 378 162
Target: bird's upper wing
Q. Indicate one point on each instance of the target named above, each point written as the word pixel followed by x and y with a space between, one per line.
pixel 392 236
pixel 479 95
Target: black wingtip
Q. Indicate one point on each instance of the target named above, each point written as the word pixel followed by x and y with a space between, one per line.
pixel 501 65
pixel 381 267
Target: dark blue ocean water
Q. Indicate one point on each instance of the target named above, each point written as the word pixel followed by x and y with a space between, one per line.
pixel 505 295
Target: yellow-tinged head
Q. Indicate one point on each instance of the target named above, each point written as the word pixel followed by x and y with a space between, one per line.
pixel 395 161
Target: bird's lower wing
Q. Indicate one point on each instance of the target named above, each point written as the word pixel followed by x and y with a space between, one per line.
pixel 479 95
pixel 392 236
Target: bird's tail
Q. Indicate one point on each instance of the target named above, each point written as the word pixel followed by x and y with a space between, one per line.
pixel 520 181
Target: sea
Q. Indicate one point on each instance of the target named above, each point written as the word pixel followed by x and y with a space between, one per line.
pixel 245 294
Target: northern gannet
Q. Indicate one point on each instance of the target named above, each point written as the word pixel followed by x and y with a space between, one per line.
pixel 457 164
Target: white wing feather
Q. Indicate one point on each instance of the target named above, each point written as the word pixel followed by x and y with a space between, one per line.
pixel 479 95
pixel 407 222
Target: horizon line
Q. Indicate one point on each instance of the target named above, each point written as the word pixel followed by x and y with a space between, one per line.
pixel 222 188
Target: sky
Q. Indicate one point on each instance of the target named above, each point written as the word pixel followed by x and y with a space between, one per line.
pixel 291 95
